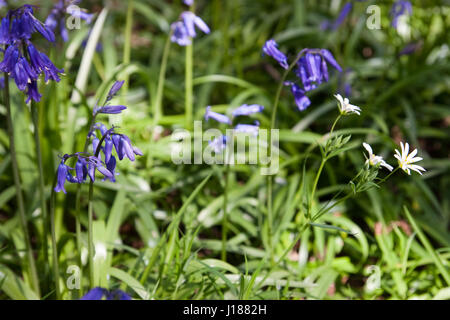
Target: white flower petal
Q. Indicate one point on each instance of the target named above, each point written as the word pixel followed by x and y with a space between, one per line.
pixel 368 148
pixel 412 154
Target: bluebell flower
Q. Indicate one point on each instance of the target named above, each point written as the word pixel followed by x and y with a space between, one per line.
pixel 111 109
pixel 398 9
pixel 87 164
pixel 248 128
pixel 271 49
pixel 79 13
pixel 61 178
pixel 180 34
pixel 81 170
pixel 219 143
pixel 312 67
pixel 111 166
pixel 26 65
pixel 124 148
pixel 10 58
pixel 188 2
pixel 246 110
pixel 57 19
pixel 101 293
pixel 114 89
pixel 42 63
pixel 301 100
pixel 191 21
pixel 411 48
pixel 94 164
pixel 216 116
pixel 32 92
pixel 107 109
pixel 183 31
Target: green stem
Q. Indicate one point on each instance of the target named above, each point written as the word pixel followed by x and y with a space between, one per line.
pixel 37 142
pixel 157 111
pixel 270 177
pixel 316 181
pixel 54 244
pixel 20 201
pixel 322 164
pixel 388 176
pixel 189 86
pixel 41 184
pixel 225 214
pixel 78 211
pixel 91 218
pixel 90 235
pixel 334 124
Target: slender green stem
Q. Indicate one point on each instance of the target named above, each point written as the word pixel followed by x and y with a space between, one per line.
pixel 90 235
pixel 225 213
pixel 325 209
pixel 78 211
pixel 334 124
pixel 319 171
pixel 388 176
pixel 157 111
pixel 55 260
pixel 20 201
pixel 189 86
pixel 316 181
pixel 41 184
pixel 91 218
pixel 270 177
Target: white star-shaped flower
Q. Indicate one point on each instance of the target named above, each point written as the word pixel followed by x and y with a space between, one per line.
pixel 345 107
pixel 405 160
pixel 375 160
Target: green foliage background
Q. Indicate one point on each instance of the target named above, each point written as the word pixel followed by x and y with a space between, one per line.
pixel 403 98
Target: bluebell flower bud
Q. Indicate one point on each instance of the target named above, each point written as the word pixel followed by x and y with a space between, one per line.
pixel 248 128
pixel 246 110
pixel 61 178
pixel 216 116
pixel 271 49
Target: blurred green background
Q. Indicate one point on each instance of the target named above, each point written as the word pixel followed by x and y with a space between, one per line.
pixel 404 97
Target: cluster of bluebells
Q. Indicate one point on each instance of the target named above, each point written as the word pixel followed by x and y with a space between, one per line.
pixel 183 30
pixel 219 143
pixel 311 69
pixel 57 17
pixel 103 144
pixel 21 60
pixel 102 293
